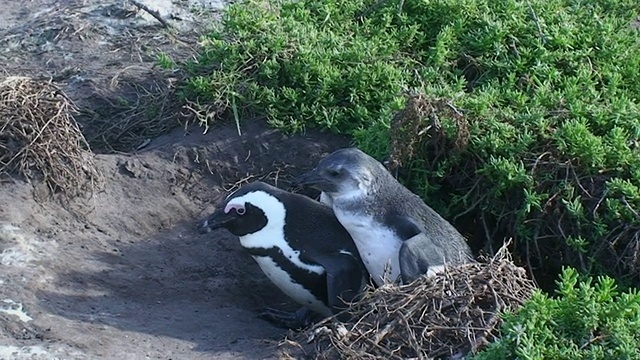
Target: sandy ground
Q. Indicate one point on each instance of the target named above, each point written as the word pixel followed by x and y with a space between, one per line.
pixel 125 274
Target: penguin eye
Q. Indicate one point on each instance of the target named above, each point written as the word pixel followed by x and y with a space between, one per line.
pixel 334 172
pixel 241 210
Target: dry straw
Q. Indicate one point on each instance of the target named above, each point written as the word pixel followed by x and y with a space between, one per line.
pixel 448 316
pixel 40 139
pixel 422 119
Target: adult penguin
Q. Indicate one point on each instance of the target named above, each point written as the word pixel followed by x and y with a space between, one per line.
pixel 299 245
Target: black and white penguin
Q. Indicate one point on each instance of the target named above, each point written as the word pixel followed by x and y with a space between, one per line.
pixel 299 245
pixel 396 233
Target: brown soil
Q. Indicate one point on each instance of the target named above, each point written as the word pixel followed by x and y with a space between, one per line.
pixel 125 274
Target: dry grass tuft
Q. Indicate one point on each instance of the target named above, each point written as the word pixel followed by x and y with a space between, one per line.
pixel 420 120
pixel 133 109
pixel 447 316
pixel 124 97
pixel 40 139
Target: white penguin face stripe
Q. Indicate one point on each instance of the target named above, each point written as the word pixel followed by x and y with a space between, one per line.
pixel 326 199
pixel 272 235
pixel 365 181
pixel 378 245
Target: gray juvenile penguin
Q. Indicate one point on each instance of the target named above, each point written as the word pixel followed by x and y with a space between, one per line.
pixel 299 245
pixel 391 226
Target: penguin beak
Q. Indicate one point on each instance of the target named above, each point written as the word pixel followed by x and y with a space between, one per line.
pixel 217 220
pixel 311 178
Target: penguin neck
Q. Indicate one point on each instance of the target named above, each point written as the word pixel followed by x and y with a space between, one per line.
pixel 354 194
pixel 356 200
pixel 350 196
pixel 257 239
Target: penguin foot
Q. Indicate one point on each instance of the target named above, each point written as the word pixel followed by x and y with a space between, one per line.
pixel 299 319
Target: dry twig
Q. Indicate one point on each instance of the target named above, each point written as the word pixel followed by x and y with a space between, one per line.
pixel 151 12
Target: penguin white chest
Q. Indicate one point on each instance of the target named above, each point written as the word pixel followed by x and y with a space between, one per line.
pixel 379 246
pixel 283 281
pixel 267 239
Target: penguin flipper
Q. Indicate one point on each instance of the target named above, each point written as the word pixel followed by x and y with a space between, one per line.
pixel 417 256
pixel 345 279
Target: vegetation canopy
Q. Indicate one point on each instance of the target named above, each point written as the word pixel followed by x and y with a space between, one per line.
pixel 522 119
pixel 587 320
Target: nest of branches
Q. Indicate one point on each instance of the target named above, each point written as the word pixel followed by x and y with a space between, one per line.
pixel 40 139
pixel 450 315
pixel 419 121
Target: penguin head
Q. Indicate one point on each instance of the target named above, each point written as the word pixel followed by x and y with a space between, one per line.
pixel 248 210
pixel 346 172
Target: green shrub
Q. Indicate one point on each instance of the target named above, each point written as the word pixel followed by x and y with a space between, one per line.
pixel 304 62
pixel 585 321
pixel 549 97
pixel 529 119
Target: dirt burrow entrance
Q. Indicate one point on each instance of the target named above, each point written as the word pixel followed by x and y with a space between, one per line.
pixel 126 275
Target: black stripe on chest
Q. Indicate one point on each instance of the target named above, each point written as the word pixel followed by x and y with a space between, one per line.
pixel 316 284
